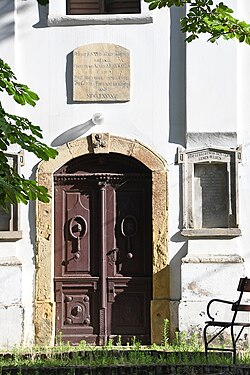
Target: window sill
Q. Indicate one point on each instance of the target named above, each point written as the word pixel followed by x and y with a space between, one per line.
pixel 212 258
pixel 211 232
pixel 11 235
pixel 10 261
pixel 100 19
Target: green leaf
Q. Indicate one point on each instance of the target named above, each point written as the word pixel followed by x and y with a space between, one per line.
pixel 14 188
pixel 153 5
pixel 242 38
pixel 19 99
pixel 204 16
pixel 33 95
pixel 2 83
pixel 247 39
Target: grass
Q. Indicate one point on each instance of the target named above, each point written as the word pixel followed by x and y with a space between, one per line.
pixel 184 350
pixel 95 358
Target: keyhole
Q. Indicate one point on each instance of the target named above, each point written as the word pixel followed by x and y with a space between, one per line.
pixel 79 227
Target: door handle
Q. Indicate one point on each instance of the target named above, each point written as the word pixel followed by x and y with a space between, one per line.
pixel 112 255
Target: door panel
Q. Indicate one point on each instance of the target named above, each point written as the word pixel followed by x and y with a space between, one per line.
pixel 131 280
pixel 76 265
pixel 77 232
pixel 129 314
pixel 133 230
pixel 103 253
pixel 76 308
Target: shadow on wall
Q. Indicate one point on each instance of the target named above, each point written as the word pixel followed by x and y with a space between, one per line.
pixel 177 79
pixel 31 216
pixel 68 77
pixel 7 9
pixel 180 196
pixel 71 134
pixel 78 130
pixel 43 11
pixel 175 267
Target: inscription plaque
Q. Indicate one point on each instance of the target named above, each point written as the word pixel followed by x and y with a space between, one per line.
pixel 211 194
pixel 101 73
pixel 208 155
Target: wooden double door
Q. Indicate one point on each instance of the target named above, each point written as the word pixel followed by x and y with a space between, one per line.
pixel 103 250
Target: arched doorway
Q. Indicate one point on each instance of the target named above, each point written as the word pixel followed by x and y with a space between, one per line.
pixel 103 249
pixel 134 157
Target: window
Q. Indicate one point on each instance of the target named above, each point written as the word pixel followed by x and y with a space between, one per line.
pixel 98 12
pixel 9 226
pixel 8 219
pixel 81 7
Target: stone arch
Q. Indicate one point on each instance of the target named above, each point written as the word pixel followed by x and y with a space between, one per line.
pixel 44 292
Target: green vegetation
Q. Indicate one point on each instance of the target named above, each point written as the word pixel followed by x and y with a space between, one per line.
pixel 183 350
pixel 14 187
pixel 207 17
pixel 104 356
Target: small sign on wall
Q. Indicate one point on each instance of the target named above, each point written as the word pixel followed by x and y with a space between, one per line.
pixel 210 192
pixel 101 73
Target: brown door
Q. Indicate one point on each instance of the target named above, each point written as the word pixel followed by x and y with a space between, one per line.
pixel 103 251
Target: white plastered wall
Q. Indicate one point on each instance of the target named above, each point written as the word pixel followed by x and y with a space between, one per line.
pixel 217 79
pixel 174 89
pixel 43 60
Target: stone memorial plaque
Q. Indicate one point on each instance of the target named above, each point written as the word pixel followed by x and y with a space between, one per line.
pixel 210 192
pixel 208 155
pixel 101 73
pixel 211 196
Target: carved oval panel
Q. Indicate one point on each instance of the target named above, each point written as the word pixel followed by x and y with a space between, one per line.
pixel 77 227
pixel 129 226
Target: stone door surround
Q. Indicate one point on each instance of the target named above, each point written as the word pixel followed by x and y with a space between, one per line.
pixel 44 315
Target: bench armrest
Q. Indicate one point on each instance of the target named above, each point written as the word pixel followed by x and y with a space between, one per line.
pixel 217 300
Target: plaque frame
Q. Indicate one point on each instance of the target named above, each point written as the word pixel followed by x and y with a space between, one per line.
pixel 192 202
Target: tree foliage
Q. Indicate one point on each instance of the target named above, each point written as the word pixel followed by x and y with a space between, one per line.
pixel 203 16
pixel 14 188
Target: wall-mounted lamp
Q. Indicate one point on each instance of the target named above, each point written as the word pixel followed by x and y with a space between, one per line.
pixel 98 118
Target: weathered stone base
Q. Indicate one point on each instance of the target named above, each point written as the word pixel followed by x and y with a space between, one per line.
pixel 44 323
pixel 11 308
pixel 159 312
pixel 203 278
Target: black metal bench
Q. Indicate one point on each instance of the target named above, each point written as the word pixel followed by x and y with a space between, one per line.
pixel 244 286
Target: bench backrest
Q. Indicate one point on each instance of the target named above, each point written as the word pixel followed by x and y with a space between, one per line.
pixel 244 286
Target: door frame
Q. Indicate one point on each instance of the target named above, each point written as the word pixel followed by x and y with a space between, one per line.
pixel 44 307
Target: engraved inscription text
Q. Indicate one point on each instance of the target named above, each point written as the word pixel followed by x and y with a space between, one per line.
pixel 101 72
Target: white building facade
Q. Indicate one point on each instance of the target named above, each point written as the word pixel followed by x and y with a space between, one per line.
pixel 181 121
